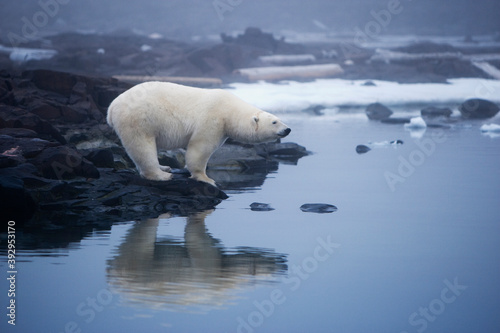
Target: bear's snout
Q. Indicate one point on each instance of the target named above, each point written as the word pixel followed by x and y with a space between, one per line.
pixel 284 132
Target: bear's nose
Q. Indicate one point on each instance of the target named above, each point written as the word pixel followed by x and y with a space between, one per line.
pixel 285 132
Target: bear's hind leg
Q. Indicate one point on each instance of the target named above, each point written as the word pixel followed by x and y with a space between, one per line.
pixel 197 156
pixel 145 156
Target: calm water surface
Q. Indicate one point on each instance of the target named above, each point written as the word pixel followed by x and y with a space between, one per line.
pixel 413 247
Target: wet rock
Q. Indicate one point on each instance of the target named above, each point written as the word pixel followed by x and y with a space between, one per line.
pixel 260 207
pixel 433 112
pixel 25 147
pixel 377 111
pixel 44 110
pixel 73 115
pixel 396 120
pixel 289 152
pixel 433 125
pixel 362 149
pixel 477 108
pixel 58 82
pixel 18 132
pixel 15 201
pixel 101 158
pixel 64 163
pixel 319 208
pixel 428 47
pixel 237 157
pixel 19 118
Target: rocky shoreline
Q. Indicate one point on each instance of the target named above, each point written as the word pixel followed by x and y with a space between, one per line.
pixel 60 163
pixel 215 63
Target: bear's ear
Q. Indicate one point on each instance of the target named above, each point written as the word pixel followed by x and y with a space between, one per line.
pixel 255 122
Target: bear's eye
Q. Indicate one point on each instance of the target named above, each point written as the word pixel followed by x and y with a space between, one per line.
pixel 275 122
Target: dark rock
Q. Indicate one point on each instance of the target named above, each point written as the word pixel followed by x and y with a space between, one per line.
pixel 64 163
pixel 396 120
pixel 18 132
pixel 106 94
pixel 428 47
pixel 10 158
pixel 432 112
pixel 25 147
pixel 260 207
pixel 169 161
pixel 221 60
pixel 15 201
pixel 257 39
pixel 285 150
pixel 236 157
pixel 44 110
pixel 315 110
pixel 432 125
pixel 476 108
pixel 377 111
pixel 19 118
pixel 182 186
pixel 361 149
pixel 58 82
pixel 101 158
pixel 369 84
pixel 73 115
pixel 318 208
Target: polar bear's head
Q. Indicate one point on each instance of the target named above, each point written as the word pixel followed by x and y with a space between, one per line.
pixel 268 127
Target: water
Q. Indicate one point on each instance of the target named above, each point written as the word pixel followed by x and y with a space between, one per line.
pixel 413 247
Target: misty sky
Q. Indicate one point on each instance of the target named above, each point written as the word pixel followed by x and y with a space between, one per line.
pixel 184 18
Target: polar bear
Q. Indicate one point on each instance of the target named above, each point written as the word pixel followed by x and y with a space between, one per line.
pixel 161 115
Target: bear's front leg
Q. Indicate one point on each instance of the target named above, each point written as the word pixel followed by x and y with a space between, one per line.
pixel 197 156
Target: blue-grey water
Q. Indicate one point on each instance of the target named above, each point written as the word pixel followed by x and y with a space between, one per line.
pixel 413 247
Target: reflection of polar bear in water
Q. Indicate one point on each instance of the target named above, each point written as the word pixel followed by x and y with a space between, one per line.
pixel 159 115
pixel 170 273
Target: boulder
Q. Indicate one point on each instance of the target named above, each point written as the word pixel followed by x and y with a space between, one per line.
pixel 433 112
pixel 362 149
pixel 260 207
pixel 477 108
pixel 44 110
pixel 378 111
pixel 58 82
pixel 282 151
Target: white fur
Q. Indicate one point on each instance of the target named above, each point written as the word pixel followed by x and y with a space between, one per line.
pixel 160 115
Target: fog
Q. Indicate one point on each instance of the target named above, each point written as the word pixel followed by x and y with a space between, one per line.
pixel 200 18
